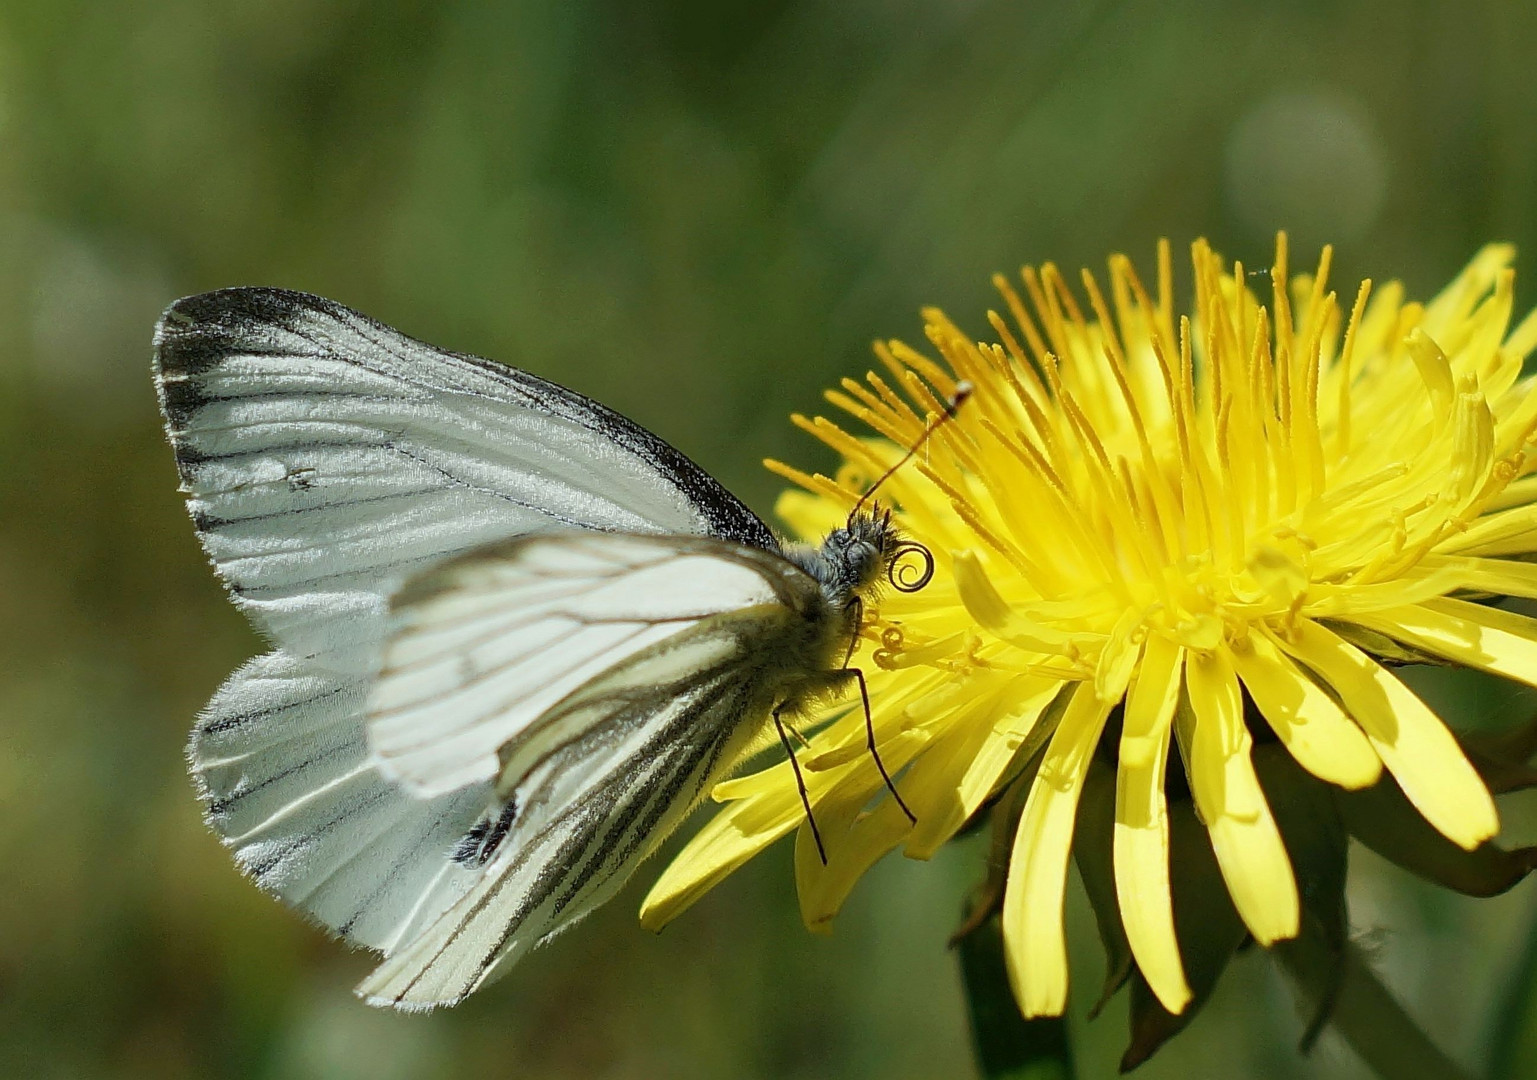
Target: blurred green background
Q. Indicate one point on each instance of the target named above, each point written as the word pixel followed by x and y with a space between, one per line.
pixel 701 213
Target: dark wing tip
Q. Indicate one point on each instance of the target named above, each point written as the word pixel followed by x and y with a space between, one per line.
pixel 195 332
pixel 198 333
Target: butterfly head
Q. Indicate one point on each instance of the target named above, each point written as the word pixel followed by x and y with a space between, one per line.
pixel 853 559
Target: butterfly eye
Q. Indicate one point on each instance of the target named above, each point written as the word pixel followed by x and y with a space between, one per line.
pixel 909 576
pixel 863 557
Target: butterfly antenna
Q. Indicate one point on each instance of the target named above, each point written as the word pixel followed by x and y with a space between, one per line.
pixel 963 390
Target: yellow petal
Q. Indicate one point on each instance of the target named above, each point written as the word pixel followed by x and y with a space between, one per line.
pixel 1454 302
pixel 1243 832
pixel 1517 492
pixel 1032 900
pixel 708 859
pixel 1008 735
pixel 1486 638
pixel 763 807
pixel 1505 576
pixel 1343 600
pixel 1312 727
pixel 1411 740
pixel 1472 449
pixel 855 841
pixel 1523 339
pixel 997 615
pixel 1435 371
pixel 1508 532
pixel 1118 659
pixel 1141 845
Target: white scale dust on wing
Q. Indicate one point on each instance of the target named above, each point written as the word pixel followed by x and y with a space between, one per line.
pixel 481 648
pixel 280 758
pixel 326 457
pixel 600 765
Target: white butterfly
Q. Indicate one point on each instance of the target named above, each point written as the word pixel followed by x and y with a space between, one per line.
pixel 516 637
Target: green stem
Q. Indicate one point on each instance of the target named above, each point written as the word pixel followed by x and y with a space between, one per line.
pixel 1513 1041
pixel 1363 1011
pixel 1008 1047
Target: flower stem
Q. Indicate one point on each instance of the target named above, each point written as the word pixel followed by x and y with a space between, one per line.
pixel 1362 1010
pixel 1007 1046
pixel 1513 1040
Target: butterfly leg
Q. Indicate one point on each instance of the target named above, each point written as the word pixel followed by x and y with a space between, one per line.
pixel 800 782
pixel 795 733
pixel 864 696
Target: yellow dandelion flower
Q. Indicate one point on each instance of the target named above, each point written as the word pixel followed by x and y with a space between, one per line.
pixel 1165 537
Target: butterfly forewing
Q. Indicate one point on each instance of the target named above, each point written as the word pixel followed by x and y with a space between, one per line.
pixel 482 650
pixel 283 766
pixel 327 457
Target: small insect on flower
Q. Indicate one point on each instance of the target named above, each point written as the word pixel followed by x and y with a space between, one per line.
pixel 1204 538
pixel 516 637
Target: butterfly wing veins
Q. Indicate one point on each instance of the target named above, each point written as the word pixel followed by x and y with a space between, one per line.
pixel 604 774
pixel 327 461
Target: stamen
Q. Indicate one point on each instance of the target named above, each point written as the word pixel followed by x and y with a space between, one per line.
pixel 1022 318
pixel 898 404
pixel 1117 355
pixel 816 485
pixel 871 401
pixel 1051 320
pixel 1347 357
pixel 937 376
pixel 877 421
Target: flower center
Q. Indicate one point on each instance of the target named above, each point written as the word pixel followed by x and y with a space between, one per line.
pixel 1121 473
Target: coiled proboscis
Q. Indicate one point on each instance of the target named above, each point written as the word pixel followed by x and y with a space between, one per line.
pixel 905 575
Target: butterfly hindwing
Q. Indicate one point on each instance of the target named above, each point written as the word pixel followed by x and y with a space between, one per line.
pixel 482 650
pixel 597 782
pixel 283 768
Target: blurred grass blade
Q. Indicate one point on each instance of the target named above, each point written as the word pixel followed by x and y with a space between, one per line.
pixel 1513 1041
pixel 1008 1047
